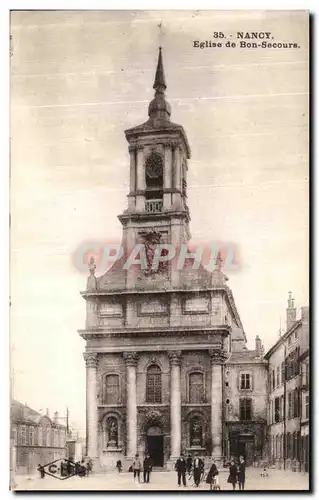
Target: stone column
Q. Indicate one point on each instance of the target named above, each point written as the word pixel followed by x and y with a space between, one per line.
pixel 175 362
pixel 131 198
pixel 177 184
pixel 91 360
pixel 140 180
pixel 131 410
pixel 217 359
pixel 167 199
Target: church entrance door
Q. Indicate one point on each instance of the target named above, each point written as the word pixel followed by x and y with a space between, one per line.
pixel 155 445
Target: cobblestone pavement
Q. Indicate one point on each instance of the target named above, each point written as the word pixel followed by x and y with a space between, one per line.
pixel 277 480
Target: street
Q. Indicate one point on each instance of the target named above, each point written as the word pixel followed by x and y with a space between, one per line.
pixel 277 480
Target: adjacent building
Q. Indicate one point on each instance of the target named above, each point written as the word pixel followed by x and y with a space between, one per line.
pixel 168 369
pixel 304 413
pixel 288 386
pixel 245 388
pixel 35 438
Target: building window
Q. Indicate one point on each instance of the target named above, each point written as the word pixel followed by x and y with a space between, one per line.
pixel 273 379
pixel 296 403
pixel 278 376
pixel 31 436
pixel 277 410
pixel 154 384
pixel 245 409
pixel 40 436
pixel 282 408
pixel 112 390
pixel 196 388
pixel 23 435
pixel 154 170
pixel 14 435
pixel 48 436
pixel 307 374
pixel 282 372
pixel 196 432
pixel 290 405
pixel 307 406
pixel 289 341
pixel 245 381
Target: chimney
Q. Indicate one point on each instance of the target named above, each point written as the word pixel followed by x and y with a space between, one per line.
pixel 258 346
pixel 291 312
pixel 56 417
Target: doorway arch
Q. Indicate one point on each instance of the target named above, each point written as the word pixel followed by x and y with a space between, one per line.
pixel 154 444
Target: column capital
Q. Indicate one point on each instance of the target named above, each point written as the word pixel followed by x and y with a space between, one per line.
pixel 130 358
pixel 139 147
pixel 217 354
pixel 175 357
pixel 90 359
pixel 174 144
pixel 132 148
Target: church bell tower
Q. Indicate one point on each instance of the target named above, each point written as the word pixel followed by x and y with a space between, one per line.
pixel 157 201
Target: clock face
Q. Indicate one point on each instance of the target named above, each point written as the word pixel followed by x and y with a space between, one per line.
pixel 154 166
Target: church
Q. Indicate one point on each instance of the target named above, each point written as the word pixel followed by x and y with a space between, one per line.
pixel 167 367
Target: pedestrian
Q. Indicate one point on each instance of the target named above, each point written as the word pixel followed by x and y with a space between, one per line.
pixel 136 465
pixel 88 468
pixel 241 473
pixel 77 468
pixel 211 477
pixel 189 464
pixel 232 478
pixel 197 470
pixel 119 465
pixel 41 470
pixel 147 468
pixel 181 469
pixel 82 469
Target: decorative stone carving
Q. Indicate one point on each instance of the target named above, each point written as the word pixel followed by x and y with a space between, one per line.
pixel 217 354
pixel 175 357
pixel 112 430
pixel 132 148
pixel 91 359
pixel 92 282
pixel 151 240
pixel 196 432
pixel 130 358
pixel 151 416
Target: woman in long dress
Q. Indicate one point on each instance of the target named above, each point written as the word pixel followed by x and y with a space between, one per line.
pixel 212 477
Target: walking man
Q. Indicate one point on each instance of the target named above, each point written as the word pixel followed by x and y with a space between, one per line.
pixel 147 468
pixel 197 471
pixel 181 468
pixel 241 473
pixel 189 463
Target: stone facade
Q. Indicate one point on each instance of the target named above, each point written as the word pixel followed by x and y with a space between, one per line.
pixel 161 342
pixel 35 439
pixel 286 389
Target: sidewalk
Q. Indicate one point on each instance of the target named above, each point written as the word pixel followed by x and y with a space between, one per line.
pixel 277 480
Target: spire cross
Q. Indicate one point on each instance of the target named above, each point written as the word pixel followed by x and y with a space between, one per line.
pixel 160 34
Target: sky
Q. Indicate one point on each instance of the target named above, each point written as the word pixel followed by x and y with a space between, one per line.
pixel 78 80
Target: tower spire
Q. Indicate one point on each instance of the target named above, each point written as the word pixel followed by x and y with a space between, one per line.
pixel 159 82
pixel 159 110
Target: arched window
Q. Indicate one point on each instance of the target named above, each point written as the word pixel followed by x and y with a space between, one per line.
pixel 112 432
pixel 111 390
pixel 154 384
pixel 154 171
pixel 196 432
pixel 196 387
